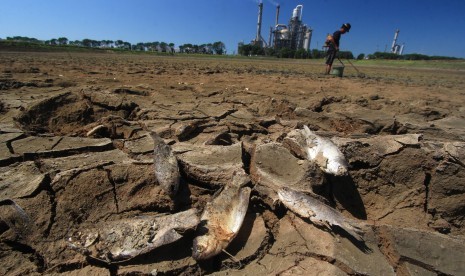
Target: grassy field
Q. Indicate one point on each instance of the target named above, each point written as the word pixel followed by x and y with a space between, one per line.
pixel 433 64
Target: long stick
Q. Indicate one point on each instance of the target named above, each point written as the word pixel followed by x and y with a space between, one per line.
pixel 356 69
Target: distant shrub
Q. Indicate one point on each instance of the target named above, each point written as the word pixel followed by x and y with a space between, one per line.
pixel 383 55
pixel 286 53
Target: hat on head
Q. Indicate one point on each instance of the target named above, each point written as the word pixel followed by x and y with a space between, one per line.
pixel 346 26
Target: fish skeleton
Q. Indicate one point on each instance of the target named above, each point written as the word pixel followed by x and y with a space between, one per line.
pixel 325 153
pixel 121 240
pixel 319 213
pixel 221 220
pixel 166 165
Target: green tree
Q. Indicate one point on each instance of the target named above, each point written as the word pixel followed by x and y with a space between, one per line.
pixel 219 48
pixel 155 46
pixel 257 50
pixel 139 46
pixel 302 54
pixel 382 55
pixel 317 53
pixel 87 42
pixel 286 53
pixel 361 56
pixel 163 46
pixel 245 50
pixel 345 54
pixel 270 52
pixel 119 43
pixel 62 40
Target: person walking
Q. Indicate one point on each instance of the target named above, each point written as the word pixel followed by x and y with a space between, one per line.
pixel 333 45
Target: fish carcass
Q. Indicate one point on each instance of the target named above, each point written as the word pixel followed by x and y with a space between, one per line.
pixel 121 240
pixel 221 220
pixel 325 153
pixel 15 217
pixel 166 165
pixel 319 213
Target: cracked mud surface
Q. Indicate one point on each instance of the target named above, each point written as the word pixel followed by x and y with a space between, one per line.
pixel 74 152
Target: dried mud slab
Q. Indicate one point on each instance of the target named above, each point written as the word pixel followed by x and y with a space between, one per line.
pixel 273 166
pixel 67 112
pixel 213 165
pixel 21 180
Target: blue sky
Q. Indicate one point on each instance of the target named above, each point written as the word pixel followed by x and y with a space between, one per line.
pixel 430 27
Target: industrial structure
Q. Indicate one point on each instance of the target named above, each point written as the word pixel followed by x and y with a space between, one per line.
pixel 396 48
pixel 295 35
pixel 258 38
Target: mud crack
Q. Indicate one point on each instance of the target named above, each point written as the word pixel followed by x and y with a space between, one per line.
pixel 115 196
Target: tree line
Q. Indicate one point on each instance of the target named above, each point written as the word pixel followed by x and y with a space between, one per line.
pixel 217 48
pixel 384 55
pixel 257 50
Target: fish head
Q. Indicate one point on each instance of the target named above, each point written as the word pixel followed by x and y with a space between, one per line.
pixel 342 171
pixel 337 168
pixel 173 188
pixel 285 194
pixel 240 178
pixel 81 241
pixel 204 247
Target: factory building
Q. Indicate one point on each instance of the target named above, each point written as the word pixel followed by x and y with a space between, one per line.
pixel 295 35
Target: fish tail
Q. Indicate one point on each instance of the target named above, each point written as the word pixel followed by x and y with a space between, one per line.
pixel 22 220
pixel 308 132
pixel 354 230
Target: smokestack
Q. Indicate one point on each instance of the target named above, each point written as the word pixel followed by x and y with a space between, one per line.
pixel 277 15
pixel 393 47
pixel 297 13
pixel 259 24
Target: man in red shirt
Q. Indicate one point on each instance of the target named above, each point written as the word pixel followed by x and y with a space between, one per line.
pixel 333 45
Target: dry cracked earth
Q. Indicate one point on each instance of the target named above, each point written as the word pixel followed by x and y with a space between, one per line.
pixel 75 151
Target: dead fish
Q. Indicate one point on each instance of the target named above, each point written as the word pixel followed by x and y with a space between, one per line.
pixel 325 153
pixel 319 213
pixel 166 165
pixel 15 217
pixel 221 220
pixel 121 240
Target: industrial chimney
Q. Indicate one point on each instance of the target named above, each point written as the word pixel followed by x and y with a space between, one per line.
pixel 277 16
pixel 259 24
pixel 394 49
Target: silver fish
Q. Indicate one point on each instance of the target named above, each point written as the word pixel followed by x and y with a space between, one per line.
pixel 221 220
pixel 166 165
pixel 121 240
pixel 15 217
pixel 319 213
pixel 325 153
